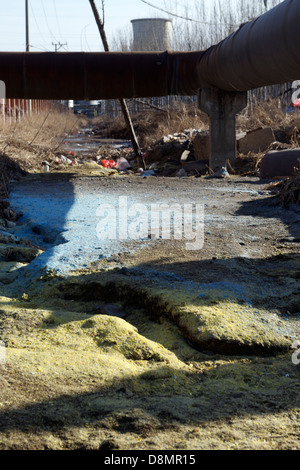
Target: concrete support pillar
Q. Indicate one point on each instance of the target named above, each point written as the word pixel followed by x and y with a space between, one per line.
pixel 222 108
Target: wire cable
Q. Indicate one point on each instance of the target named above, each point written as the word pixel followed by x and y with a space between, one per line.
pixel 57 20
pixel 36 23
pixel 46 19
pixel 186 17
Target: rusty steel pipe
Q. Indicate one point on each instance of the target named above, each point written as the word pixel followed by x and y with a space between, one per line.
pixel 265 51
pixel 104 75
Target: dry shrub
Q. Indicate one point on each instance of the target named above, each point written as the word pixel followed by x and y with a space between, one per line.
pixel 44 128
pixel 269 114
pixel 151 125
pixel 24 144
pixel 290 190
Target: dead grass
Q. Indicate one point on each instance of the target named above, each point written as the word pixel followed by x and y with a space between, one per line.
pixel 288 189
pixel 46 128
pixel 24 144
pixel 151 125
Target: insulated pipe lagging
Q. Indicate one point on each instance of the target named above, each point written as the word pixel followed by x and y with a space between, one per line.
pixel 265 51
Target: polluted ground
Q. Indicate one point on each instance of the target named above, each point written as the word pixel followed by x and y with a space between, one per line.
pixel 148 342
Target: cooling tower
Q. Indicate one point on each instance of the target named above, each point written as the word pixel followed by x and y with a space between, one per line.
pixel 151 34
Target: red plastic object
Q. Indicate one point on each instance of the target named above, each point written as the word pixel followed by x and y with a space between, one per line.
pixel 109 163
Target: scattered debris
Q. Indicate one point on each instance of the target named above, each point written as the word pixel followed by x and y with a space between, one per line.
pixel 181 173
pixel 148 173
pixel 222 173
pixel 109 163
pixel 64 160
pixel 122 164
pixel 46 166
pixel 201 145
pixel 289 189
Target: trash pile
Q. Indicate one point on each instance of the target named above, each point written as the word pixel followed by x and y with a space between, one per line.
pixel 187 153
pixel 181 154
pixel 176 155
pixel 107 161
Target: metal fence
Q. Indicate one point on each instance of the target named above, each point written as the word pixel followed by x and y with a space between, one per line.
pixel 112 109
pixel 283 93
pixel 12 110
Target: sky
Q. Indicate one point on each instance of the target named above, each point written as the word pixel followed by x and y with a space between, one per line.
pixel 69 24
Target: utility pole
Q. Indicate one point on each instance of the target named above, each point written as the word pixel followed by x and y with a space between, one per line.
pixel 59 45
pixel 27 44
pixel 27 25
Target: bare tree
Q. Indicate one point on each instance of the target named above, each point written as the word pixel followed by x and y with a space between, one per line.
pixel 134 141
pixel 198 25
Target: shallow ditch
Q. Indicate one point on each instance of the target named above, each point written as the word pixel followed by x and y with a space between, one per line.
pixel 160 317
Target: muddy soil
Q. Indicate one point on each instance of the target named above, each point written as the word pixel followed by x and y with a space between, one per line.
pixel 156 346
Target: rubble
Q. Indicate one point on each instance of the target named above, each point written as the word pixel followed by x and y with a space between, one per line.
pixel 201 146
pixel 190 150
pixel 256 141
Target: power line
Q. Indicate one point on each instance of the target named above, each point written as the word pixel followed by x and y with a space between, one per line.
pixel 36 23
pixel 45 14
pixel 186 17
pixel 40 48
pixel 57 20
pixel 82 36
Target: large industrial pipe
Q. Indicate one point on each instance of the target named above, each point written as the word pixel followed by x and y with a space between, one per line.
pixel 265 51
pixel 104 75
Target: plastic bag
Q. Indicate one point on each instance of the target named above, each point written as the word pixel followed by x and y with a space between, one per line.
pixel 122 164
